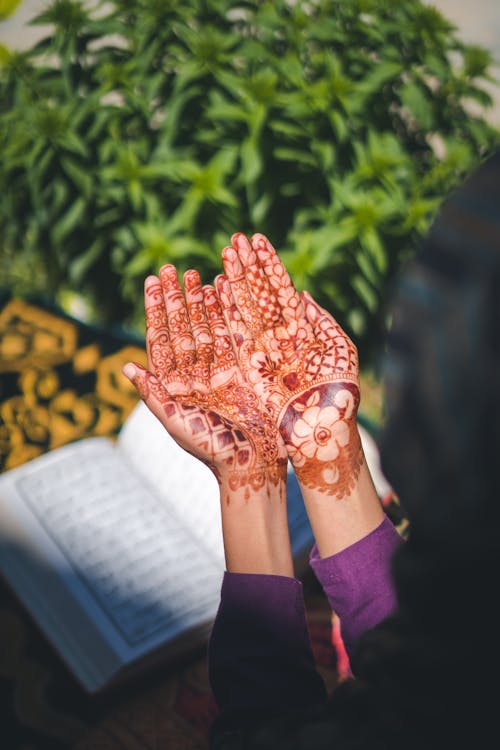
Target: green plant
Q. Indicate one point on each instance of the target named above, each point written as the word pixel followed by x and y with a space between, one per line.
pixel 141 132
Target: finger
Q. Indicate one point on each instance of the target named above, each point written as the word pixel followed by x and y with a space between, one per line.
pixel 148 388
pixel 199 325
pixel 179 330
pixel 327 330
pixel 156 397
pixel 224 356
pixel 160 355
pixel 280 282
pixel 258 283
pixel 235 274
pixel 243 342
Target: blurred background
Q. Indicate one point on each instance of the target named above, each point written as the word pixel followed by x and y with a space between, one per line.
pixel 136 133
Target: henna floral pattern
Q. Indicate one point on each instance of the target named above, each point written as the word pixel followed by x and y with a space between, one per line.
pixel 194 386
pixel 323 442
pixel 299 361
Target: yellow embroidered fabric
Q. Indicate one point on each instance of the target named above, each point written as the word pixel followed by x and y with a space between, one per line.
pixel 60 381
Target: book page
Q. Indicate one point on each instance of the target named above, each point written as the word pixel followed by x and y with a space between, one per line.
pixel 129 562
pixel 186 485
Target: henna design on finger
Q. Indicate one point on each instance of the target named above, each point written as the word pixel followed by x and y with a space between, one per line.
pixel 326 329
pixel 224 360
pixel 279 279
pixel 181 337
pixel 200 329
pixel 241 292
pixel 258 283
pixel 160 355
pixel 242 340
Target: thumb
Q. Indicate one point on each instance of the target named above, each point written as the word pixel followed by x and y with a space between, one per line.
pixel 139 377
pixel 151 391
pixel 155 396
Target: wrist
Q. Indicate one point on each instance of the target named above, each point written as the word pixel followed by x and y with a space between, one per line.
pixel 241 485
pixel 341 520
pixel 329 461
pixel 255 530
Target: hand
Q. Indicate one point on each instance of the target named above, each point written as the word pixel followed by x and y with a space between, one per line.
pixel 195 388
pixel 300 362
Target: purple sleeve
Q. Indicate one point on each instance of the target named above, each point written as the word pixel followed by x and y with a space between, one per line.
pixel 259 655
pixel 358 581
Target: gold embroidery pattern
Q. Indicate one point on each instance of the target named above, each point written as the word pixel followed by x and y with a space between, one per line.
pixel 60 381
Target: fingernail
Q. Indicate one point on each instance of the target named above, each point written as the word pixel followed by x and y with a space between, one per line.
pixel 129 370
pixel 229 253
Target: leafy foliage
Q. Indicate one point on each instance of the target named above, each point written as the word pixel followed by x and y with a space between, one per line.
pixel 141 132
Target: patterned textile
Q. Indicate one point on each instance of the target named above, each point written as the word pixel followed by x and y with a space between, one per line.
pixel 61 381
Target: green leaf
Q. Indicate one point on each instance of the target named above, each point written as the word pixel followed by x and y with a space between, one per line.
pixel 251 161
pixel 418 104
pixel 365 292
pixel 80 266
pixel 79 176
pixel 295 155
pixel 141 263
pixel 5 55
pixel 370 241
pixel 260 208
pixel 68 221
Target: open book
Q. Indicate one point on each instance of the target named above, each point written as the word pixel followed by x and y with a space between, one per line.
pixel 115 548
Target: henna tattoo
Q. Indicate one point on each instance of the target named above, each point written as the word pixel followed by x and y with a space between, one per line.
pixel 322 438
pixel 242 294
pixel 200 329
pixel 224 357
pixel 302 365
pixel 226 429
pixel 258 281
pixel 181 337
pixel 160 355
pixel 279 278
pixel 196 389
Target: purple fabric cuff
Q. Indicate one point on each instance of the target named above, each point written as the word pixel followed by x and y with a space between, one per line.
pixel 259 650
pixel 358 581
pixel 277 601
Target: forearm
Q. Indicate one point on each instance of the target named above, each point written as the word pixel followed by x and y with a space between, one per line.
pixel 255 529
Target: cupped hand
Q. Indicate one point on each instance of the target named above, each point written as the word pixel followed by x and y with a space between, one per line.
pixel 195 388
pixel 300 362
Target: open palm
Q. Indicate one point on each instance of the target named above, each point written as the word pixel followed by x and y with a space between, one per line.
pixel 300 362
pixel 194 386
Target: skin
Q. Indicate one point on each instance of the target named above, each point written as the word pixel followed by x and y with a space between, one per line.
pixel 304 368
pixel 195 388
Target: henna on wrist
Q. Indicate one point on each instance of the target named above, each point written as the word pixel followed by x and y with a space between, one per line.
pixel 322 438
